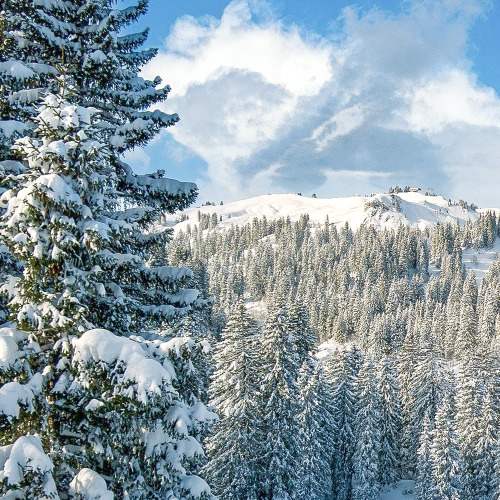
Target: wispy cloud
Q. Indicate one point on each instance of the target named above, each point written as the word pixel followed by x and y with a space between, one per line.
pixel 270 107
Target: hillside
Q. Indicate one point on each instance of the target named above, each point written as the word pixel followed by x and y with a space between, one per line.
pixel 380 210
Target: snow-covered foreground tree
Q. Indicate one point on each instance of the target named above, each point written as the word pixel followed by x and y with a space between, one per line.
pixel 92 371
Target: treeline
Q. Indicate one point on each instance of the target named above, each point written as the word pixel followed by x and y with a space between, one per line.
pixel 407 385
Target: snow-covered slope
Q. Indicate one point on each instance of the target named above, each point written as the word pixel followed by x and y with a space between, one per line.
pixel 480 260
pixel 381 210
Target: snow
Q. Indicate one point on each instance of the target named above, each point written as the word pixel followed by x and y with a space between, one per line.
pixel 416 210
pixel 9 352
pixel 94 405
pixel 90 486
pixel 156 184
pixel 178 414
pixel 170 273
pixel 404 490
pixel 9 127
pixel 118 259
pixel 200 413
pixel 27 455
pixel 41 68
pixel 16 69
pixel 25 96
pixel 330 347
pixel 479 261
pixel 12 166
pixel 195 485
pixel 148 376
pixel 13 395
pixel 56 114
pixel 97 56
pixel 52 185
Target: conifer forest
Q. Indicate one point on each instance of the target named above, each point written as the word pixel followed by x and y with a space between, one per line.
pixel 275 359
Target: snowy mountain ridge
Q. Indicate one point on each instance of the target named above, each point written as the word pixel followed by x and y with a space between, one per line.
pixel 380 210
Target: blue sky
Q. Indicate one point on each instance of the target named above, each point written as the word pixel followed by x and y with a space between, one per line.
pixel 328 97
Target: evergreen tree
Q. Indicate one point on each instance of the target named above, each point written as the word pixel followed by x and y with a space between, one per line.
pixel 390 422
pixel 232 468
pixel 486 449
pixel 424 473
pixel 429 382
pixel 467 334
pixel 367 448
pixel 306 337
pixel 477 425
pixel 279 405
pixel 316 436
pixel 445 457
pixel 342 371
pixel 79 220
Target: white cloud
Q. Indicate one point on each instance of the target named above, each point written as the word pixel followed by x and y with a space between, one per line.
pixel 452 97
pixel 203 50
pixel 237 85
pixel 354 182
pixel 341 123
pixel 270 107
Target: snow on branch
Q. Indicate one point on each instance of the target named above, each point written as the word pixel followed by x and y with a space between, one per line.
pixel 148 376
pixel 26 457
pixel 90 485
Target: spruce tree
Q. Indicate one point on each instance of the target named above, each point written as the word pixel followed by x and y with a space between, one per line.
pixel 424 473
pixel 342 372
pixel 279 405
pixel 367 446
pixel 317 431
pixel 486 448
pixel 428 384
pixel 467 339
pixel 477 426
pixel 233 468
pixel 80 222
pixel 445 456
pixel 390 422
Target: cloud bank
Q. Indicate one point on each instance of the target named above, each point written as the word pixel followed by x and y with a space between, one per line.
pixel 385 98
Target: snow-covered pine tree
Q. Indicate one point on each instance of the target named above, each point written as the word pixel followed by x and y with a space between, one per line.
pixel 490 306
pixel 367 440
pixel 390 422
pixel 52 223
pixel 279 404
pixel 487 448
pixel 342 371
pixel 316 436
pixel 477 426
pixel 13 76
pixel 79 220
pixel 467 338
pixel 424 474
pixel 232 468
pixel 428 383
pixel 445 456
pixel 20 83
pixel 306 337
pixel 81 39
pixel 495 483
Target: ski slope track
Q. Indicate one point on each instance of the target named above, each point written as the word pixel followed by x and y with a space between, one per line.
pixel 381 210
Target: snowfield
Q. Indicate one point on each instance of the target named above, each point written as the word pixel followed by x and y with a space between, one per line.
pixel 480 260
pixel 381 210
pixel 404 490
